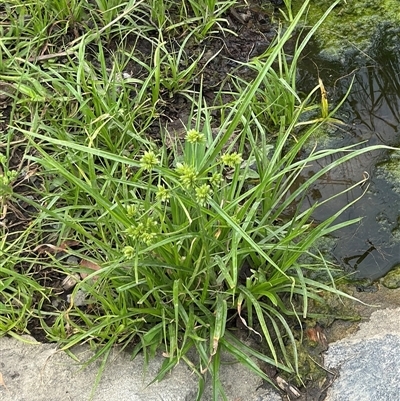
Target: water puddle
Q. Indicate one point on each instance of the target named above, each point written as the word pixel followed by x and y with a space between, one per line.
pixel 372 114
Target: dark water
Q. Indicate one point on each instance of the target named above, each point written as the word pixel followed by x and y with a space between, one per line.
pixel 372 113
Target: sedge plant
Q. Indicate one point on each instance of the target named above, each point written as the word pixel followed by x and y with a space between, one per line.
pixel 174 239
pixel 187 239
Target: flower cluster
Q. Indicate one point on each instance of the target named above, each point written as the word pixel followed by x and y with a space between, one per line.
pixel 144 231
pixel 231 159
pixel 149 160
pixel 203 194
pixel 187 175
pixel 193 136
pixel 132 210
pixel 129 252
pixel 216 179
pixel 162 194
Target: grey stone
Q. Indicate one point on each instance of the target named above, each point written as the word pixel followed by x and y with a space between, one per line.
pixel 368 362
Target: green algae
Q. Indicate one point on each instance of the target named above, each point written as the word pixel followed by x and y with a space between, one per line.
pixel 352 25
pixel 392 279
pixel 389 171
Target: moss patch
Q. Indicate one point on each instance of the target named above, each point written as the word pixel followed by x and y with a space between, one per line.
pixel 390 171
pixel 392 279
pixel 352 25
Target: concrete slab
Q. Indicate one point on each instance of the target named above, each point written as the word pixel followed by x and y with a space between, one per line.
pixel 40 372
pixel 367 363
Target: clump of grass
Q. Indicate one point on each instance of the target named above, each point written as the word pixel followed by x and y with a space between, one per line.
pixel 18 291
pixel 188 238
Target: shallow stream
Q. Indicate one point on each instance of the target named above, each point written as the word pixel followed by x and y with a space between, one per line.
pixel 371 247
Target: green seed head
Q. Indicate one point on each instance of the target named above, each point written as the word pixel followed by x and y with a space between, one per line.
pixel 194 136
pixel 231 159
pixel 162 194
pixel 216 180
pixel 203 194
pixel 144 231
pixel 131 210
pixel 187 175
pixel 149 160
pixel 129 252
